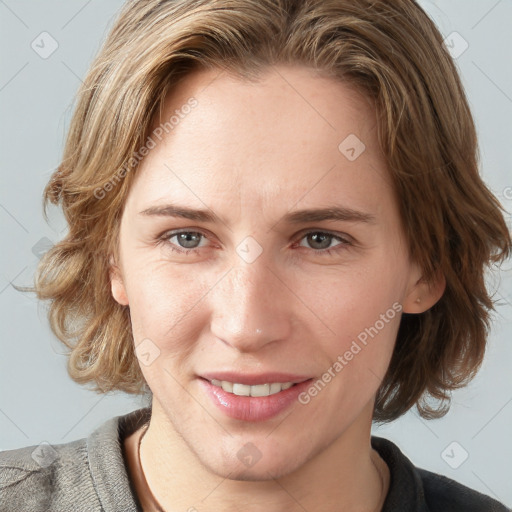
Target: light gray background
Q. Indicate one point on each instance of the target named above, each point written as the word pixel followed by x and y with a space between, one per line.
pixel 38 400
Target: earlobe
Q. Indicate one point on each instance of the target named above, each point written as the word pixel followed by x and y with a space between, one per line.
pixel 116 284
pixel 424 295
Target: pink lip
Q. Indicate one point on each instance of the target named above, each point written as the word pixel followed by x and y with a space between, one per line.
pixel 252 408
pixel 255 379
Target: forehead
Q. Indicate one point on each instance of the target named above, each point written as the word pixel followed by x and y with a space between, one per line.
pixel 292 136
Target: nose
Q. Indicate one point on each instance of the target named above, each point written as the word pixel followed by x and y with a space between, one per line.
pixel 251 307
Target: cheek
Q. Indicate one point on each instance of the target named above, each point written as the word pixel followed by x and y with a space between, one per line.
pixel 163 299
pixel 364 311
pixel 167 318
pixel 361 309
pixel 352 298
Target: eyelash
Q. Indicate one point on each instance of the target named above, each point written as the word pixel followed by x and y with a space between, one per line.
pixel 166 237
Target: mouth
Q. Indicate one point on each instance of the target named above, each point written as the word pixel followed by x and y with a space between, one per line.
pixel 257 390
pixel 257 385
pixel 253 402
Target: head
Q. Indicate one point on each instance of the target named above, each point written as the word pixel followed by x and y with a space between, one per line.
pixel 252 110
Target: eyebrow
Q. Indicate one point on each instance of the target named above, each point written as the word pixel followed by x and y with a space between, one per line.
pixel 296 217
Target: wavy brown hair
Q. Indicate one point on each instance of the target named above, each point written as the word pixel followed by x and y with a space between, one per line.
pixel 392 53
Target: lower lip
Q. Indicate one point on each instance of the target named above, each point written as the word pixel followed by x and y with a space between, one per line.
pixel 253 408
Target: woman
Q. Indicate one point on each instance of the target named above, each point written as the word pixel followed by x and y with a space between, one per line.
pixel 278 233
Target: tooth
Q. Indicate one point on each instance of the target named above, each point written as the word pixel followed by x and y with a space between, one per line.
pixel 260 390
pixel 275 387
pixel 227 386
pixel 241 389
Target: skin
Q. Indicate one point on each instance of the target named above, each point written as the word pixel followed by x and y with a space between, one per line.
pixel 252 152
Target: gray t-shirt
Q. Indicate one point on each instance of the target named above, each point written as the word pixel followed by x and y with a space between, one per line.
pixel 90 475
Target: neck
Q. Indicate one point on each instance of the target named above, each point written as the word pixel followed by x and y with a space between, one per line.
pixel 346 475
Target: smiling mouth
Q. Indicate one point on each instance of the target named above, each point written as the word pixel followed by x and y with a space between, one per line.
pixel 265 397
pixel 257 390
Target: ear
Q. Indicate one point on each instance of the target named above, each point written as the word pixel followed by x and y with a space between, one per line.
pixel 117 284
pixel 422 295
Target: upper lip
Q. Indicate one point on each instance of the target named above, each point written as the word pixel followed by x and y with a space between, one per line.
pixel 254 379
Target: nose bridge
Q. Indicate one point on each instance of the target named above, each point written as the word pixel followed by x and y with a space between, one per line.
pixel 250 307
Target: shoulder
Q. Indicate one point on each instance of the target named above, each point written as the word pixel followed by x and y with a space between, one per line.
pixel 443 493
pixel 44 476
pixel 86 475
pixel 418 490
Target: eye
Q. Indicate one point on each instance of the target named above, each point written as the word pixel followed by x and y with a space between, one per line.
pixel 186 241
pixel 321 241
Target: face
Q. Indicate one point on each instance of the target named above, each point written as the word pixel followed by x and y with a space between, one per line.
pixel 251 286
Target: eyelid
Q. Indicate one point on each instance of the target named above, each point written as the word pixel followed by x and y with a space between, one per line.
pixel 343 236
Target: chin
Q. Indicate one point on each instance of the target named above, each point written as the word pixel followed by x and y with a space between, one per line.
pixel 260 474
pixel 261 471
